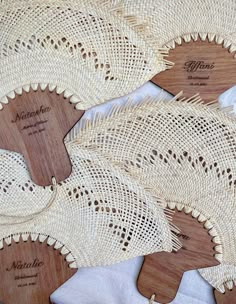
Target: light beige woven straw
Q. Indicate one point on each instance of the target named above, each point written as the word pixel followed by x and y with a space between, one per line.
pixel 99 214
pixel 80 47
pixel 170 22
pixel 183 152
pixel 82 50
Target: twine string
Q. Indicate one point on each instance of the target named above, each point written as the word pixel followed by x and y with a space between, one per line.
pixel 152 299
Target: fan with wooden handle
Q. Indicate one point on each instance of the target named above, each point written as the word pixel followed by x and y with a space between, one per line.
pixel 182 151
pixel 200 35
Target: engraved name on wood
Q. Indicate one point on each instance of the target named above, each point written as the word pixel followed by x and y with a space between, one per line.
pixel 200 67
pixel 35 124
pixel 30 272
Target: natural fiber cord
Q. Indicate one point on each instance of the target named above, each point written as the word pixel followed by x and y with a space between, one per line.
pixel 78 46
pixel 171 21
pixel 183 152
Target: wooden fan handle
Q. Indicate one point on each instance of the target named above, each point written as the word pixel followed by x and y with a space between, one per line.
pixel 161 277
pixel 161 273
pixel 35 124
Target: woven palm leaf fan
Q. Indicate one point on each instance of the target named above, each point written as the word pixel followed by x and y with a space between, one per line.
pixel 99 214
pixel 184 152
pixel 78 47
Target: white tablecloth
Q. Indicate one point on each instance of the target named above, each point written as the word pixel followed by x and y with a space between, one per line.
pixel 116 284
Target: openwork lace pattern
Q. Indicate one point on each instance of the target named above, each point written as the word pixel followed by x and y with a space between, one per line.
pixel 82 46
pixel 184 152
pixel 99 214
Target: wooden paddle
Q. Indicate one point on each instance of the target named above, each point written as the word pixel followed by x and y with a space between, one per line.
pixel 161 273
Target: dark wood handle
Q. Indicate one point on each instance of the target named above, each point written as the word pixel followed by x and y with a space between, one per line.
pixel 161 273
pixel 54 162
pixel 164 277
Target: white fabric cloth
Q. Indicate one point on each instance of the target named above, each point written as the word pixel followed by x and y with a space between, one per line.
pixel 116 284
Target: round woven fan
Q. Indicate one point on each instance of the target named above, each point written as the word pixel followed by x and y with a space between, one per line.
pixel 172 23
pixel 169 22
pixel 78 47
pixel 99 213
pixel 184 152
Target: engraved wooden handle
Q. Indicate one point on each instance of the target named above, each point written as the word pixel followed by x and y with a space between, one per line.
pixel 199 67
pixel 35 124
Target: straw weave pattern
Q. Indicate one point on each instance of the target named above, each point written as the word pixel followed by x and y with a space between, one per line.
pixel 76 45
pixel 101 215
pixel 170 21
pixel 183 152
